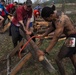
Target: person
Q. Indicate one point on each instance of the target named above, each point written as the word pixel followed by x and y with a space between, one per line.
pixel 11 7
pixel 31 27
pixel 60 24
pixel 3 12
pixel 37 10
pixel 1 20
pixel 38 7
pixel 21 19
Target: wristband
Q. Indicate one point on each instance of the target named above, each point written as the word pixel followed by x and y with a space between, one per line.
pixel 46 52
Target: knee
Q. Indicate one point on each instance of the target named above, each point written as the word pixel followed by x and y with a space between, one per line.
pixel 1 19
pixel 58 59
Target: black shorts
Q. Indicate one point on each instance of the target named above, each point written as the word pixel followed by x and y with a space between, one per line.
pixel 66 51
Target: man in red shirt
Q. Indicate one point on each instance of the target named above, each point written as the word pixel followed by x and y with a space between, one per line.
pixel 22 18
pixel 11 7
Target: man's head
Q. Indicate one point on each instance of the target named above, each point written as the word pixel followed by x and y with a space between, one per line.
pixel 28 5
pixel 2 2
pixel 38 4
pixel 47 13
pixel 15 3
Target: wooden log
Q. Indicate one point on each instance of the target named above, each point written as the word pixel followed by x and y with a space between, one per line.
pixel 32 44
pixel 39 19
pixel 17 48
pixel 43 23
pixel 6 27
pixel 20 64
pixel 8 65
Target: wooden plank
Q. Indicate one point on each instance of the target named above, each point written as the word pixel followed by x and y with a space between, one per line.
pixel 20 64
pixel 17 48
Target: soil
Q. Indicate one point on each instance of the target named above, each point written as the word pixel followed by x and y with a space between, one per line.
pixel 5 43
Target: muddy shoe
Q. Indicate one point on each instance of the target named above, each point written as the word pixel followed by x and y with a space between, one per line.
pixel 74 73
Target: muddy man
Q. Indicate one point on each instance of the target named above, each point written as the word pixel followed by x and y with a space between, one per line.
pixel 60 24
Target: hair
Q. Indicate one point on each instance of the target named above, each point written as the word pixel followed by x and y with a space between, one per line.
pixel 2 1
pixel 53 7
pixel 16 2
pixel 28 2
pixel 47 11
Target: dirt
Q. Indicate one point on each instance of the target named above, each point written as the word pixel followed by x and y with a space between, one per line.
pixel 5 43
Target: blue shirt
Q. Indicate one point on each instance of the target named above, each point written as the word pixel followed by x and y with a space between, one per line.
pixel 2 9
pixel 38 8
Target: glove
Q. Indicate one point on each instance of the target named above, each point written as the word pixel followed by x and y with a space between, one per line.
pixel 46 52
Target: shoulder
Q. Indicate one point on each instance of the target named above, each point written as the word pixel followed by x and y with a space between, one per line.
pixel 1 5
pixel 65 18
pixel 20 8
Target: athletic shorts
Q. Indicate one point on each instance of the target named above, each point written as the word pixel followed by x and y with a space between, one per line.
pixel 69 47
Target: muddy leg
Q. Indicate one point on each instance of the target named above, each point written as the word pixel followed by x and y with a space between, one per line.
pixel 60 66
pixel 73 59
pixel 62 54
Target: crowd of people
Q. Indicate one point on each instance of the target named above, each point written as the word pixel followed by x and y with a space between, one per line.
pixel 23 17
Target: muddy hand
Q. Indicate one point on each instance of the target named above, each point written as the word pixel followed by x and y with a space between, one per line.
pixel 40 41
pixel 40 53
pixel 28 32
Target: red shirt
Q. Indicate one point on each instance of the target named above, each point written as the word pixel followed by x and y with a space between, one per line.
pixel 9 7
pixel 21 14
pixel 3 14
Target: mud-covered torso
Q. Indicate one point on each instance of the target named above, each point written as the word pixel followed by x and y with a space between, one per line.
pixel 68 27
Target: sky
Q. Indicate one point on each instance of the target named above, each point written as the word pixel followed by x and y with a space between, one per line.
pixel 21 1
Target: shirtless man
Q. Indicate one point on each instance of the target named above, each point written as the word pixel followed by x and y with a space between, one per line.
pixel 61 24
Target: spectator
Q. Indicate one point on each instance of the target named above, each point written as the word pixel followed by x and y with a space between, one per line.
pixel 3 12
pixel 11 7
pixel 31 26
pixel 37 10
pixel 38 7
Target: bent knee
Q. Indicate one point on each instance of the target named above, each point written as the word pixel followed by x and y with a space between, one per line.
pixel 58 59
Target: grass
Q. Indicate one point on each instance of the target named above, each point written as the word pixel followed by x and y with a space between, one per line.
pixel 34 68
